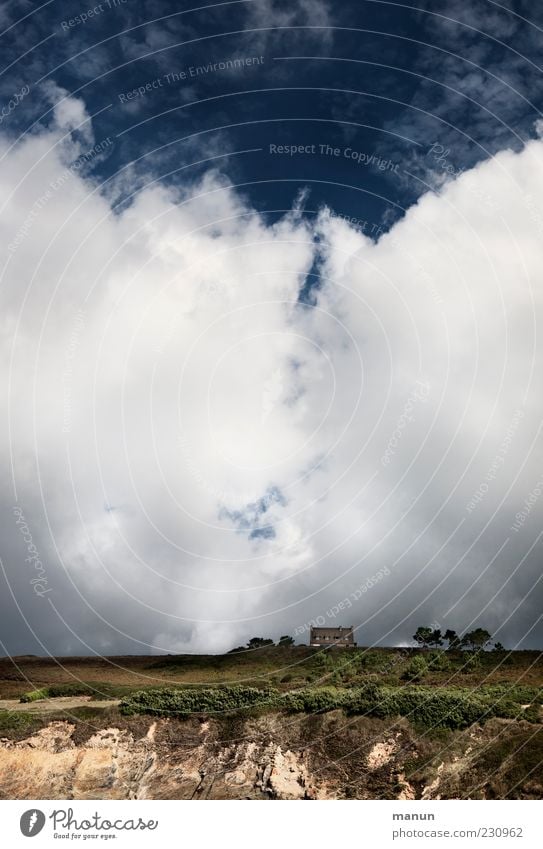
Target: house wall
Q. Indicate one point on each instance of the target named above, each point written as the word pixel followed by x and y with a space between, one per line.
pixel 340 636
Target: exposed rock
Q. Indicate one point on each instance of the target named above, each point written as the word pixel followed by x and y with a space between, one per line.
pixel 381 754
pixel 328 756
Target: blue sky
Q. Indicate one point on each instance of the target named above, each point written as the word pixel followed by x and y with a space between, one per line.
pixel 367 79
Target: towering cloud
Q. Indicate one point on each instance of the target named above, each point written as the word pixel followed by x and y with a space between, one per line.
pixel 195 454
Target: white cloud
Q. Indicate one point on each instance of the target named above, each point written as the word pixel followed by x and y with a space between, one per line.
pixel 164 381
pixel 70 113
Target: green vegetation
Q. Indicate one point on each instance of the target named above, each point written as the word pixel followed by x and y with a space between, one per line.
pixel 477 640
pixel 35 695
pixel 317 700
pixel 183 703
pixel 264 643
pixel 19 723
pixel 97 691
pixel 448 707
pixel 426 636
pixel 437 688
pixel 259 643
pixel 471 664
pixel 416 669
pixel 345 667
pixel 452 638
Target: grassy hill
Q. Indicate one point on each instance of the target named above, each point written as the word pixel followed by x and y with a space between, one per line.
pixel 287 722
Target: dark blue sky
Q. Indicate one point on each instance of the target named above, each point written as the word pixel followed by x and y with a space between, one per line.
pixel 366 88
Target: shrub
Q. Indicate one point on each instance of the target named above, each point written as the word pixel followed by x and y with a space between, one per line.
pixel 472 664
pixel 532 713
pixel 365 699
pixel 416 669
pixel 12 722
pixel 430 707
pixel 35 695
pixel 371 660
pixel 438 661
pixel 313 701
pixel 445 708
pixel 182 703
pixel 94 690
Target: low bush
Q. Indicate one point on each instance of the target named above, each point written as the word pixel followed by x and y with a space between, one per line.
pixel 532 714
pixel 521 693
pixel 14 722
pixel 97 691
pixel 438 661
pixel 183 703
pixel 316 700
pixel 35 695
pixel 430 707
pixel 472 663
pixel 372 660
pixel 415 669
pixel 438 708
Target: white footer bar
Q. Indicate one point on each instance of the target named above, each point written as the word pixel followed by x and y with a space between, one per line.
pixel 273 825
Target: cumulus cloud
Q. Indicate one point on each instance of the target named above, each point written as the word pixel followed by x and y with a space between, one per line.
pixel 69 113
pixel 200 457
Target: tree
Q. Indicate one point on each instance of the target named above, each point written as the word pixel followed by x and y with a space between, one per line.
pixel 285 641
pixel 477 639
pixel 435 638
pixel 259 643
pixel 423 636
pixel 498 647
pixel 452 638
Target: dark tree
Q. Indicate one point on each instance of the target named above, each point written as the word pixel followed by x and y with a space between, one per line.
pixel 435 638
pixel 286 641
pixel 259 643
pixel 423 636
pixel 452 638
pixel 477 639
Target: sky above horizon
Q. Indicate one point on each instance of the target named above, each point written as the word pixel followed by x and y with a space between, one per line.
pixel 271 301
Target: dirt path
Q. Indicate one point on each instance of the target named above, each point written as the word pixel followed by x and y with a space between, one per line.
pixel 56 704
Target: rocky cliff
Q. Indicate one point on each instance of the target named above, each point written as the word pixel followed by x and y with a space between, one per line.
pixel 271 757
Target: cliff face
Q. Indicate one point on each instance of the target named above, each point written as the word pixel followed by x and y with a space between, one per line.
pixel 272 757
